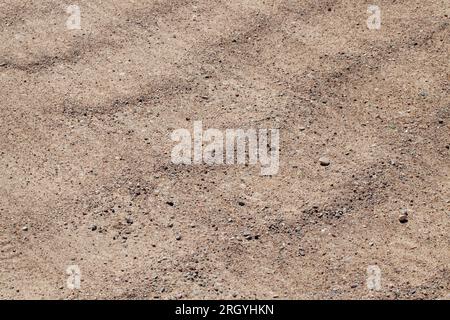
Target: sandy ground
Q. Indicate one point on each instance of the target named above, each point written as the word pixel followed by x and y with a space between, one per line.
pixel 86 177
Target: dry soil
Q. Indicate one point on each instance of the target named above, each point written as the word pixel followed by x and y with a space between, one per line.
pixel 86 176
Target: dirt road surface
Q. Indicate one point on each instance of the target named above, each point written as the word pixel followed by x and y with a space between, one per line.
pixel 88 189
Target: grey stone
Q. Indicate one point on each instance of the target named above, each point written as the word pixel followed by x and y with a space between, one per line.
pixel 324 161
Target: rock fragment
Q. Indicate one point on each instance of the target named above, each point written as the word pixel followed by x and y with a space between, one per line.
pixel 324 161
pixel 403 218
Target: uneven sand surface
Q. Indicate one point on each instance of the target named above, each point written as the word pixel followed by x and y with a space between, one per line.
pixel 86 176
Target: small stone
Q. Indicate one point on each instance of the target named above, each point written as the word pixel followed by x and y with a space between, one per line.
pixel 423 93
pixel 93 227
pixel 178 237
pixel 129 220
pixel 403 218
pixel 25 228
pixel 247 235
pixel 302 128
pixel 179 296
pixel 324 161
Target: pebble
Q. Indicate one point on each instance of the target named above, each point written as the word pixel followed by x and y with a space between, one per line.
pixel 25 228
pixel 178 237
pixel 403 218
pixel 247 235
pixel 93 227
pixel 423 93
pixel 324 161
